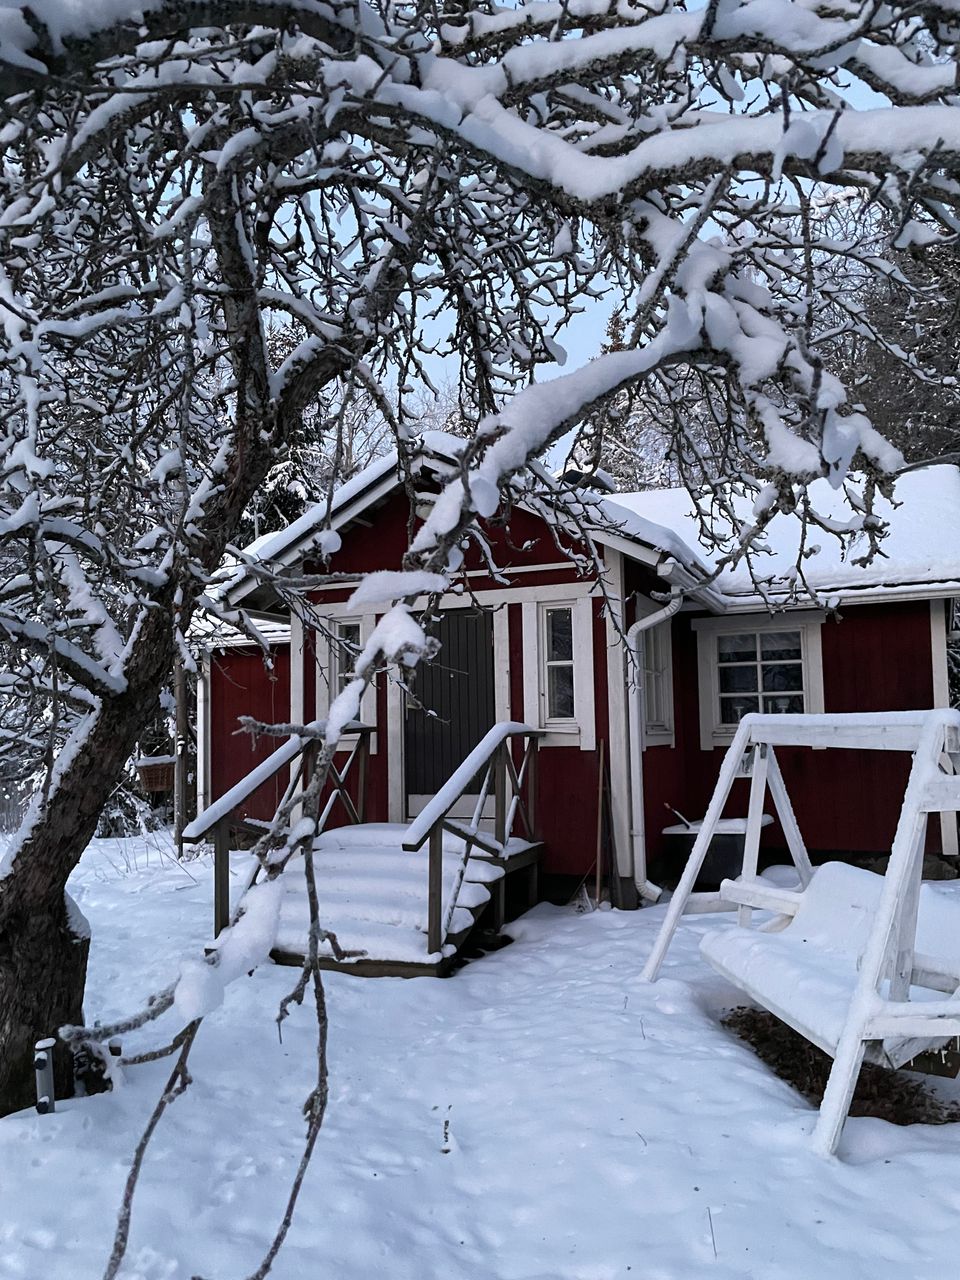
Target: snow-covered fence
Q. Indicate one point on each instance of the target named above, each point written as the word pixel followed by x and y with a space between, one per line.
pixel 514 789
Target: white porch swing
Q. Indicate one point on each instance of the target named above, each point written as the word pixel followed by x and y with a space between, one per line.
pixel 865 966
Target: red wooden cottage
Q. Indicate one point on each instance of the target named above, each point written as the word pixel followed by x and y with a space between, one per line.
pixel 538 641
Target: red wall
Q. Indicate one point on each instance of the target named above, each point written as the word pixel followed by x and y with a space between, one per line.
pixel 875 658
pixel 240 685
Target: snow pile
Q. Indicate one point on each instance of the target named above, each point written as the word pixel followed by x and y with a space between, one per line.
pixel 540 1116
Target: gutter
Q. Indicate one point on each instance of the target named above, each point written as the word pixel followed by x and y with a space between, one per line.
pixel 648 891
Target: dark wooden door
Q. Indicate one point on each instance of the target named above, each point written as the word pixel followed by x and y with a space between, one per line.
pixel 457 703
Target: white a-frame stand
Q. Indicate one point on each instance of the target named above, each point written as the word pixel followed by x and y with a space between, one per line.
pixel 840 961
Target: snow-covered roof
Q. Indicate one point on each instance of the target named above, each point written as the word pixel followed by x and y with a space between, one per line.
pixel 920 554
pixel 658 535
pixel 213 633
pixel 316 528
pixel 307 532
pixel 921 551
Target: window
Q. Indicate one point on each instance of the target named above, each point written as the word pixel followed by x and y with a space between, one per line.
pixel 344 649
pixel 657 653
pixel 759 671
pixel 772 665
pixel 557 664
pixel 558 685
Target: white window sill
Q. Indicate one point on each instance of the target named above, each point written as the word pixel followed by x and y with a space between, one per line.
pixel 560 733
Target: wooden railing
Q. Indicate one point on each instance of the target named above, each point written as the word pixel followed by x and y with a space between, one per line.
pixel 221 818
pixel 514 795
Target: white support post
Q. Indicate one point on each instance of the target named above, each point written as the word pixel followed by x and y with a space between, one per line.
pixel 949 842
pixel 788 820
pixel 884 935
pixel 725 781
pixel 751 842
pixel 904 942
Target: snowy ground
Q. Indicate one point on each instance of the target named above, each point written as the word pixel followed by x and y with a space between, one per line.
pixel 540 1116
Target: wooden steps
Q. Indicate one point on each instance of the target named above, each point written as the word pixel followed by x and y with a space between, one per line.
pixel 373 897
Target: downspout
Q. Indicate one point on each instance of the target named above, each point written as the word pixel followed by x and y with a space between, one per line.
pixel 648 891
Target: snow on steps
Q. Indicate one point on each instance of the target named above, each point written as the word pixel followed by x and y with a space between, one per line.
pixel 373 896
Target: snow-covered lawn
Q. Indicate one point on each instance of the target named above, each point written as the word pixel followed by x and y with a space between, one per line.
pixel 541 1116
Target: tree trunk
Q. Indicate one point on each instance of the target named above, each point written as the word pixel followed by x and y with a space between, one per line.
pixel 43 967
pixel 42 963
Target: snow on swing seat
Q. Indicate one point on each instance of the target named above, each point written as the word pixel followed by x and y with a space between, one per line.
pixel 861 965
pixel 805 971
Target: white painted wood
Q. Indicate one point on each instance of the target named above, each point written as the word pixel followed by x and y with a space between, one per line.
pixel 297 710
pixel 530 648
pixel 554 566
pixel 762 895
pixel 751 840
pixel 881 1024
pixel 501 663
pixel 854 731
pixel 788 820
pixel 942 796
pixel 583 674
pixel 657 641
pixel 396 788
pixel 698 904
pixel 949 839
pixel 203 734
pixel 618 754
pixel 728 773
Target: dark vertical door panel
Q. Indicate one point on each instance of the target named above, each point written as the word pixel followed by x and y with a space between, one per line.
pixel 456 693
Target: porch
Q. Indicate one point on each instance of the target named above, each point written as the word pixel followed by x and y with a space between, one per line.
pixel 403 900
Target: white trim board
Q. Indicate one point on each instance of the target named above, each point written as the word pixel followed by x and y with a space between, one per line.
pixel 368 703
pixel 346 584
pixel 582 731
pixel 618 746
pixel 204 744
pixel 949 840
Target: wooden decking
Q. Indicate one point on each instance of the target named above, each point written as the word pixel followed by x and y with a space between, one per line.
pixel 374 898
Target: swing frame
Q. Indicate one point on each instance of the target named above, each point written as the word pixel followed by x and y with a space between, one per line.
pixel 880 1006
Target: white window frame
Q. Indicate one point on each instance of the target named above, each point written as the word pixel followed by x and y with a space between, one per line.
pixel 337 672
pixel 580 730
pixel 656 660
pixel 713 733
pixel 546 662
pixel 328 669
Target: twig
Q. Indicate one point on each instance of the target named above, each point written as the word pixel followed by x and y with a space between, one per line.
pixel 179 1080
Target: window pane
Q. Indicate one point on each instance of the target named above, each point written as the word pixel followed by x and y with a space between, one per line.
pixel 739 679
pixel 783 676
pixel 733 709
pixel 346 650
pixel 560 693
pixel 742 648
pixel 783 704
pixel 780 645
pixel 559 635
